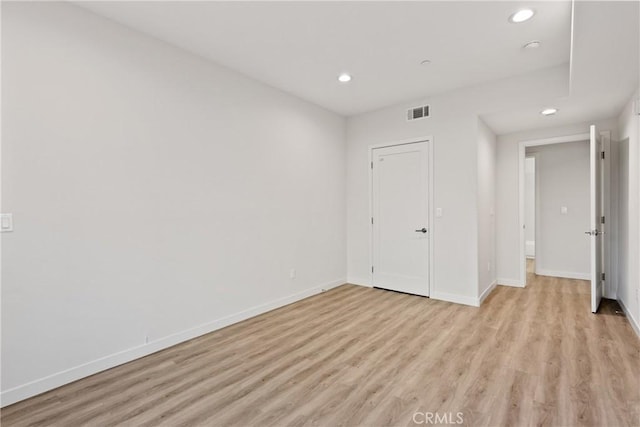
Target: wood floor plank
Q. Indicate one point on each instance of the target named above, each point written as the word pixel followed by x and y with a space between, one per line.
pixel 360 356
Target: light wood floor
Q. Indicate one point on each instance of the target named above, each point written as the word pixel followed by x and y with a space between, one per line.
pixel 360 356
pixel 531 266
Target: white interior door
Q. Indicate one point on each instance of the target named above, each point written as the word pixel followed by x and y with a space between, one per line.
pixel 400 221
pixel 595 232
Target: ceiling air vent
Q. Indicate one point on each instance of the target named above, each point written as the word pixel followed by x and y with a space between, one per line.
pixel 418 112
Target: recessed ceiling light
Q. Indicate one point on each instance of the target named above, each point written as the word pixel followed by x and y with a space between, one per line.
pixel 549 111
pixel 425 62
pixel 532 44
pixel 344 78
pixel 521 16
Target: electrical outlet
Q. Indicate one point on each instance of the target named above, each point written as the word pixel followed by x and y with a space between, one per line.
pixel 292 273
pixel 488 266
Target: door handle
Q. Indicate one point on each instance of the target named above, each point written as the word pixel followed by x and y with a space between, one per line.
pixel 422 230
pixel 594 232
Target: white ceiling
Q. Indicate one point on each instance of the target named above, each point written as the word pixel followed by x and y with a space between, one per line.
pixel 301 47
pixel 605 70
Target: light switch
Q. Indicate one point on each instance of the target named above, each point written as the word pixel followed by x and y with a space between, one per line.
pixel 563 210
pixel 6 222
pixel 438 212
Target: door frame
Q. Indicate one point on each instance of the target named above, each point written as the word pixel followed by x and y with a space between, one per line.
pixel 535 204
pixel 429 141
pixel 605 136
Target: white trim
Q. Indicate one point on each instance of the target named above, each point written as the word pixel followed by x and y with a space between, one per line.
pixel 522 146
pixel 635 325
pixel 430 225
pixel 514 283
pixel 58 379
pixel 487 291
pixel 596 270
pixel 400 142
pixel 563 274
pixel 458 299
pixel 609 287
pixel 612 222
pixel 556 140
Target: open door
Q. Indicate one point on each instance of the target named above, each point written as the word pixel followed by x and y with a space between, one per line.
pixel 595 231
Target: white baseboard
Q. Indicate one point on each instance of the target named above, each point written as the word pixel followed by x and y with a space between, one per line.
pixel 58 379
pixel 632 320
pixel 487 291
pixel 458 299
pixel 563 274
pixel 516 283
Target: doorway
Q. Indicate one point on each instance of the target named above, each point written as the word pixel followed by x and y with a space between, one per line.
pixel 560 210
pixel 570 175
pixel 530 211
pixel 400 217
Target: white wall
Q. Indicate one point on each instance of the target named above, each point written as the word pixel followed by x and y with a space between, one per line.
pixel 507 200
pixel 562 177
pixel 625 289
pixel 486 208
pixel 156 196
pixel 456 231
pixel 530 206
pixel 454 127
pixel 629 212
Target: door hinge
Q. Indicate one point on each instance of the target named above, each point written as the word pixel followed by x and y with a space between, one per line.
pixel 603 154
pixel 602 219
pixel 371 220
pixel 371 165
pixel 372 268
pixel 602 276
